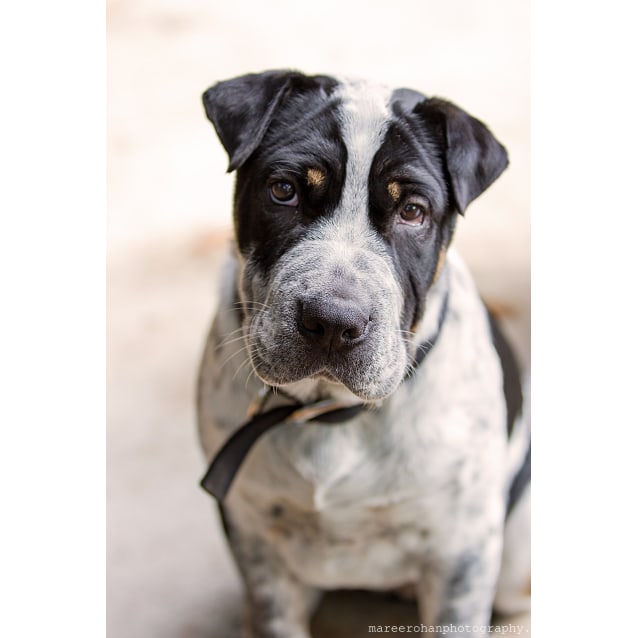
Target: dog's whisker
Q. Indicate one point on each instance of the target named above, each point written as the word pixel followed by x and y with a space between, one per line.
pixel 240 369
pixel 251 305
pixel 230 340
pixel 252 372
pixel 244 350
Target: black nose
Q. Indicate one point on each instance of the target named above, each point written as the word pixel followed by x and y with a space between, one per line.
pixel 333 323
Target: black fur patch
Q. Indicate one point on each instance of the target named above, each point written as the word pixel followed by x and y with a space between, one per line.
pixel 412 157
pixel 304 135
pixel 511 378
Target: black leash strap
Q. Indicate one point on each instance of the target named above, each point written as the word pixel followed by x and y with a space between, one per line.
pixel 222 470
pixel 227 461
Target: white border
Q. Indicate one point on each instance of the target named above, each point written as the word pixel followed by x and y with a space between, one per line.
pixel 52 343
pixel 52 339
pixel 584 318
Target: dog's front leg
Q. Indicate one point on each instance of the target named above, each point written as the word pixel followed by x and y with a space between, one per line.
pixel 279 605
pixel 458 591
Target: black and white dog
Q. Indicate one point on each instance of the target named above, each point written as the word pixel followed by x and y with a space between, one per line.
pixel 349 335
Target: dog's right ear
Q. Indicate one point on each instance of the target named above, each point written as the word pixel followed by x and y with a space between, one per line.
pixel 474 157
pixel 242 108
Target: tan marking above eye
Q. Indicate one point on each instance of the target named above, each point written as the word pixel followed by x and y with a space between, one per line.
pixel 394 190
pixel 315 177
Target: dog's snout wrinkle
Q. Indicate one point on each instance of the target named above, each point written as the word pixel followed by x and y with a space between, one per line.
pixel 333 323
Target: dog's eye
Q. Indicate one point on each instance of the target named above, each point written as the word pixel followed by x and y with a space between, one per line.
pixel 283 193
pixel 412 214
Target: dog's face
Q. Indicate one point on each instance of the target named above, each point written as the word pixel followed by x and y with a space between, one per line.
pixel 346 199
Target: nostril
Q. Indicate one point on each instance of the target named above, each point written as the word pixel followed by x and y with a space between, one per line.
pixel 355 331
pixel 311 324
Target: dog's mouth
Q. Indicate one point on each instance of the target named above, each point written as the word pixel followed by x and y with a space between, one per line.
pixel 365 371
pixel 324 375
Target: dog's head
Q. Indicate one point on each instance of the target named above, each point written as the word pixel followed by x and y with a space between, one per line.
pixel 346 199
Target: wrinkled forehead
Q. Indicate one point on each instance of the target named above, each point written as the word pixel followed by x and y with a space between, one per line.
pixel 364 117
pixel 350 121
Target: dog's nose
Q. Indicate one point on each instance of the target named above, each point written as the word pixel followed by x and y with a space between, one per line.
pixel 333 323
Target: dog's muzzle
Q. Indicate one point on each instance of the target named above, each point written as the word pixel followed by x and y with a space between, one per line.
pixel 329 309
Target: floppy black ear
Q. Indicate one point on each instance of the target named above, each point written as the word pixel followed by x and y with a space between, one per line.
pixel 474 156
pixel 242 108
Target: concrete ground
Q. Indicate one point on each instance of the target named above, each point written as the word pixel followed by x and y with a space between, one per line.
pixel 169 571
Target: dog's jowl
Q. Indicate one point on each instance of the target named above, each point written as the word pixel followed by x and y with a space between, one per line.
pixel 360 409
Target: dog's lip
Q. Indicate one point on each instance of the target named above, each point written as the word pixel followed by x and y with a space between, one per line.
pixel 363 394
pixel 325 374
pixel 334 373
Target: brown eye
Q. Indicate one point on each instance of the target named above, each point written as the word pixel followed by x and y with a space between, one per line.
pixel 283 193
pixel 412 214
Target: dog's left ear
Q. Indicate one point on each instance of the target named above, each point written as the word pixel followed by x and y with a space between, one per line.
pixel 474 157
pixel 242 108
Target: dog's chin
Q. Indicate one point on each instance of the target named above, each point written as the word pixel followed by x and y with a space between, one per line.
pixel 313 385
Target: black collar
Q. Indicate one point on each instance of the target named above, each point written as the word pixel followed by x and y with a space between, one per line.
pixel 228 460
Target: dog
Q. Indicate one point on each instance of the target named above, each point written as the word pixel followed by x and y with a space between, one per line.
pixel 361 411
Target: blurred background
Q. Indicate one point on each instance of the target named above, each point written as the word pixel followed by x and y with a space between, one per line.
pixel 169 198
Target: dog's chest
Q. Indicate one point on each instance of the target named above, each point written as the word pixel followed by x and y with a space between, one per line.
pixel 360 505
pixel 369 545
pixel 334 530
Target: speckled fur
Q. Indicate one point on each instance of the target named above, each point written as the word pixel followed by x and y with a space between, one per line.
pixel 410 491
